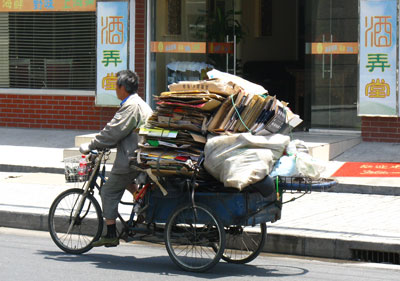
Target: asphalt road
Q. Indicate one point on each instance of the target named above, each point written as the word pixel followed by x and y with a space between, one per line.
pixel 31 255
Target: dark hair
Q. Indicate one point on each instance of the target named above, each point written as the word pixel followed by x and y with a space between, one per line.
pixel 129 80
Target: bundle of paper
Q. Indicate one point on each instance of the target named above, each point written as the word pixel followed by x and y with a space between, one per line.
pixel 170 152
pixel 172 139
pixel 177 127
pixel 216 86
pixel 168 162
pixel 246 112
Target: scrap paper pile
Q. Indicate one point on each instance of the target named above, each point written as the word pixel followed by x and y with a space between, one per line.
pixel 245 112
pixel 177 131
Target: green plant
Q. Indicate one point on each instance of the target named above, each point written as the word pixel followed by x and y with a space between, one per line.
pixel 216 29
pixel 224 24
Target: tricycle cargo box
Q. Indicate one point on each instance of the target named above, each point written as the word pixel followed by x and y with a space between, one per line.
pixel 232 208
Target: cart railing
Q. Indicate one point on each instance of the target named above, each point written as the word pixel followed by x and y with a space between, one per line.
pixel 304 184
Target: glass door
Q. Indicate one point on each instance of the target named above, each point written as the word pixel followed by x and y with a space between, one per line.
pixel 332 63
pixel 188 38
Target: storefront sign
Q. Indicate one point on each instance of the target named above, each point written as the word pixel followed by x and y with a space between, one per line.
pixel 219 48
pixel 178 47
pixel 112 55
pixel 378 57
pixel 47 5
pixel 191 47
pixel 335 48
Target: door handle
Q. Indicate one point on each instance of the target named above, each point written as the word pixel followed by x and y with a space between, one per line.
pixel 330 71
pixel 330 60
pixel 323 58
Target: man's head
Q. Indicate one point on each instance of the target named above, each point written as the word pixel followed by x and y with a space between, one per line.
pixel 127 83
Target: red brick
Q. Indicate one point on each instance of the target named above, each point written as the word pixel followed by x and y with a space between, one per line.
pixel 388 130
pixel 378 124
pixel 35 106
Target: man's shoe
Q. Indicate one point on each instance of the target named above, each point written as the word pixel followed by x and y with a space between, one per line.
pixel 105 241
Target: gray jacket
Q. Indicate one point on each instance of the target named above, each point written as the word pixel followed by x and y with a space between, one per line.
pixel 119 132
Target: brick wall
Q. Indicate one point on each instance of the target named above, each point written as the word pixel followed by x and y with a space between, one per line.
pixel 140 44
pixel 53 112
pixel 380 129
pixel 70 112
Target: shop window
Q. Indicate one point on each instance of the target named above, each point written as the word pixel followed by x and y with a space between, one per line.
pixel 52 50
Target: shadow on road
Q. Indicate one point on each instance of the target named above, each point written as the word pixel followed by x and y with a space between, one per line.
pixel 162 265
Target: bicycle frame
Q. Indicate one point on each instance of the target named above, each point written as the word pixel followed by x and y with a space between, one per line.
pixel 88 185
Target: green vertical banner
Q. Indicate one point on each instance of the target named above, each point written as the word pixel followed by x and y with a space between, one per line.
pixel 112 49
pixel 378 58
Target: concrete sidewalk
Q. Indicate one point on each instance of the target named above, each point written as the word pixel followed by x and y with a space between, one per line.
pixel 323 224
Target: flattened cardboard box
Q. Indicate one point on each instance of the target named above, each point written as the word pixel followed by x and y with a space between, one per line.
pixel 213 86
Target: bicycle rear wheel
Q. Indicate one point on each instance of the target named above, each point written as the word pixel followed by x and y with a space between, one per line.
pixel 242 244
pixel 194 238
pixel 75 235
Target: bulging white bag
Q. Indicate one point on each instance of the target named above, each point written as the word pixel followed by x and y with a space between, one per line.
pixel 239 160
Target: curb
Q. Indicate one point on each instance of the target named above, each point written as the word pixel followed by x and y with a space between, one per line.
pixel 23 220
pixel 30 169
pixel 275 243
pixel 324 247
pixel 365 189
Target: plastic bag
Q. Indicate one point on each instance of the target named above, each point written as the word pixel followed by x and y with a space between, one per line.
pixel 308 166
pixel 298 162
pixel 285 167
pixel 239 160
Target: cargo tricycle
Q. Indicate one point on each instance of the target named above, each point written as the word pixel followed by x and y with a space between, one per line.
pixel 199 222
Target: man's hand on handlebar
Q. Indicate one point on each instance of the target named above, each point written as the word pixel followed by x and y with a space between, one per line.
pixel 84 148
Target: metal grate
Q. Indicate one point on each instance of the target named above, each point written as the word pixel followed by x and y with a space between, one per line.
pixel 376 256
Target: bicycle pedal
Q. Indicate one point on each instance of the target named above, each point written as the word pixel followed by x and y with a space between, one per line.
pixel 110 245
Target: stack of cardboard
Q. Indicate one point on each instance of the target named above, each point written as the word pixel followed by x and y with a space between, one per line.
pixel 246 112
pixel 175 136
pixel 176 133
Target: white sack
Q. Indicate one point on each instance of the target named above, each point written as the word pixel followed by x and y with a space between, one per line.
pixel 239 160
pixel 248 86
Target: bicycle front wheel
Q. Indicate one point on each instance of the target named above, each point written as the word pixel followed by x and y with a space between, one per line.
pixel 194 238
pixel 72 229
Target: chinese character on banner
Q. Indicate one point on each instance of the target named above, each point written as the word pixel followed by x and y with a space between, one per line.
pixel 377 61
pixel 379 32
pixel 111 56
pixel 68 4
pixel 377 89
pixel 78 3
pixel 109 82
pixel 18 4
pixel 7 4
pixel 48 4
pixel 378 58
pixel 112 31
pixel 37 4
